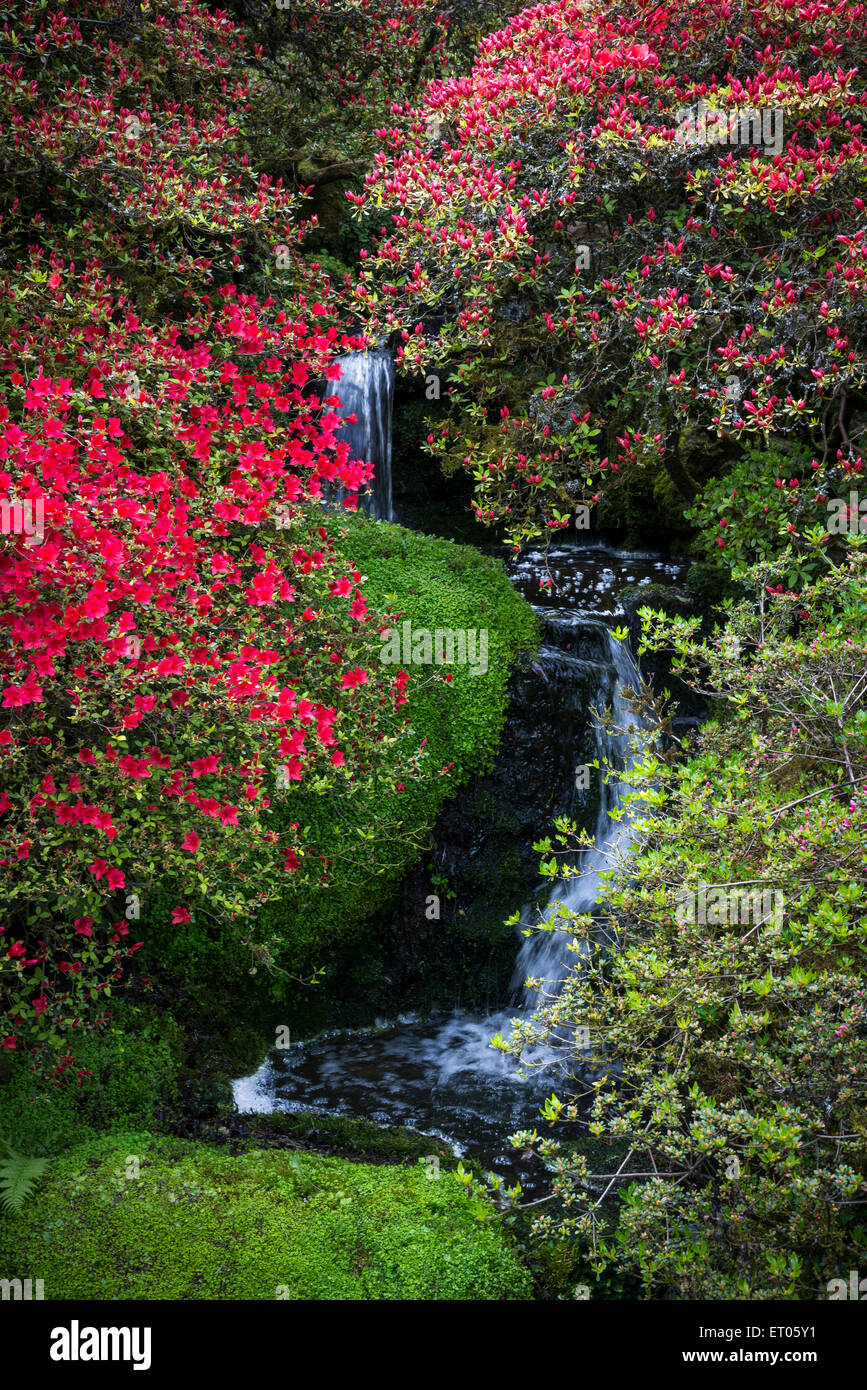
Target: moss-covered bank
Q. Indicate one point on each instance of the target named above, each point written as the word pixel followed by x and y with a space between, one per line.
pixel 338 928
pixel 431 583
pixel 132 1216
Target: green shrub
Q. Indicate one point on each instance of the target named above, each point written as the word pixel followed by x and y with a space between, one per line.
pixel 728 1026
pixel 754 511
pixel 134 1217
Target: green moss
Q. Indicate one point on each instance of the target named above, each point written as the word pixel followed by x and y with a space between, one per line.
pixel 196 1223
pixel 436 583
pixel 133 1065
pixel 349 1135
pixel 432 583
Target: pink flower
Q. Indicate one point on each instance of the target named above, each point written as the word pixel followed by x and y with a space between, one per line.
pixel 191 841
pixel 171 665
pixel 200 767
pixel 133 767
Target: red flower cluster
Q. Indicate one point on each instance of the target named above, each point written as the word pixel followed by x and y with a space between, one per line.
pixel 175 621
pixel 563 207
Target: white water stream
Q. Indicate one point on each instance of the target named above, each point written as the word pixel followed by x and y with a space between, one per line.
pixel 366 390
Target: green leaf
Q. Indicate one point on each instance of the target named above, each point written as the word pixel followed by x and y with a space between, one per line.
pixel 18 1175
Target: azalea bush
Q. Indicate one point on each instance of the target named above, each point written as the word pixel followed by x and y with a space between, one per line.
pixel 772 500
pixel 172 140
pixel 726 1056
pixel 614 298
pixel 185 649
pixel 182 645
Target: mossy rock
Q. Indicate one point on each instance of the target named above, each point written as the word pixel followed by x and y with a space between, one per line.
pixel 433 583
pixel 136 1217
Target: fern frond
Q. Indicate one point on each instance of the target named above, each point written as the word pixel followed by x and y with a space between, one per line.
pixel 18 1175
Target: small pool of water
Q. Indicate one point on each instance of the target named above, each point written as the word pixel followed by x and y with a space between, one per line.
pixel 439 1077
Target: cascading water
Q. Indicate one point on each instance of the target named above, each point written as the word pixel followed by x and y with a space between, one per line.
pixel 443 1078
pixel 543 955
pixel 366 390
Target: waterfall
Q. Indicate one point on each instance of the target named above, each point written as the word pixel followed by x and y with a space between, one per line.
pixel 366 390
pixel 544 956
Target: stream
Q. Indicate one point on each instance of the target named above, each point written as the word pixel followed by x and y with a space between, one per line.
pixel 440 1076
